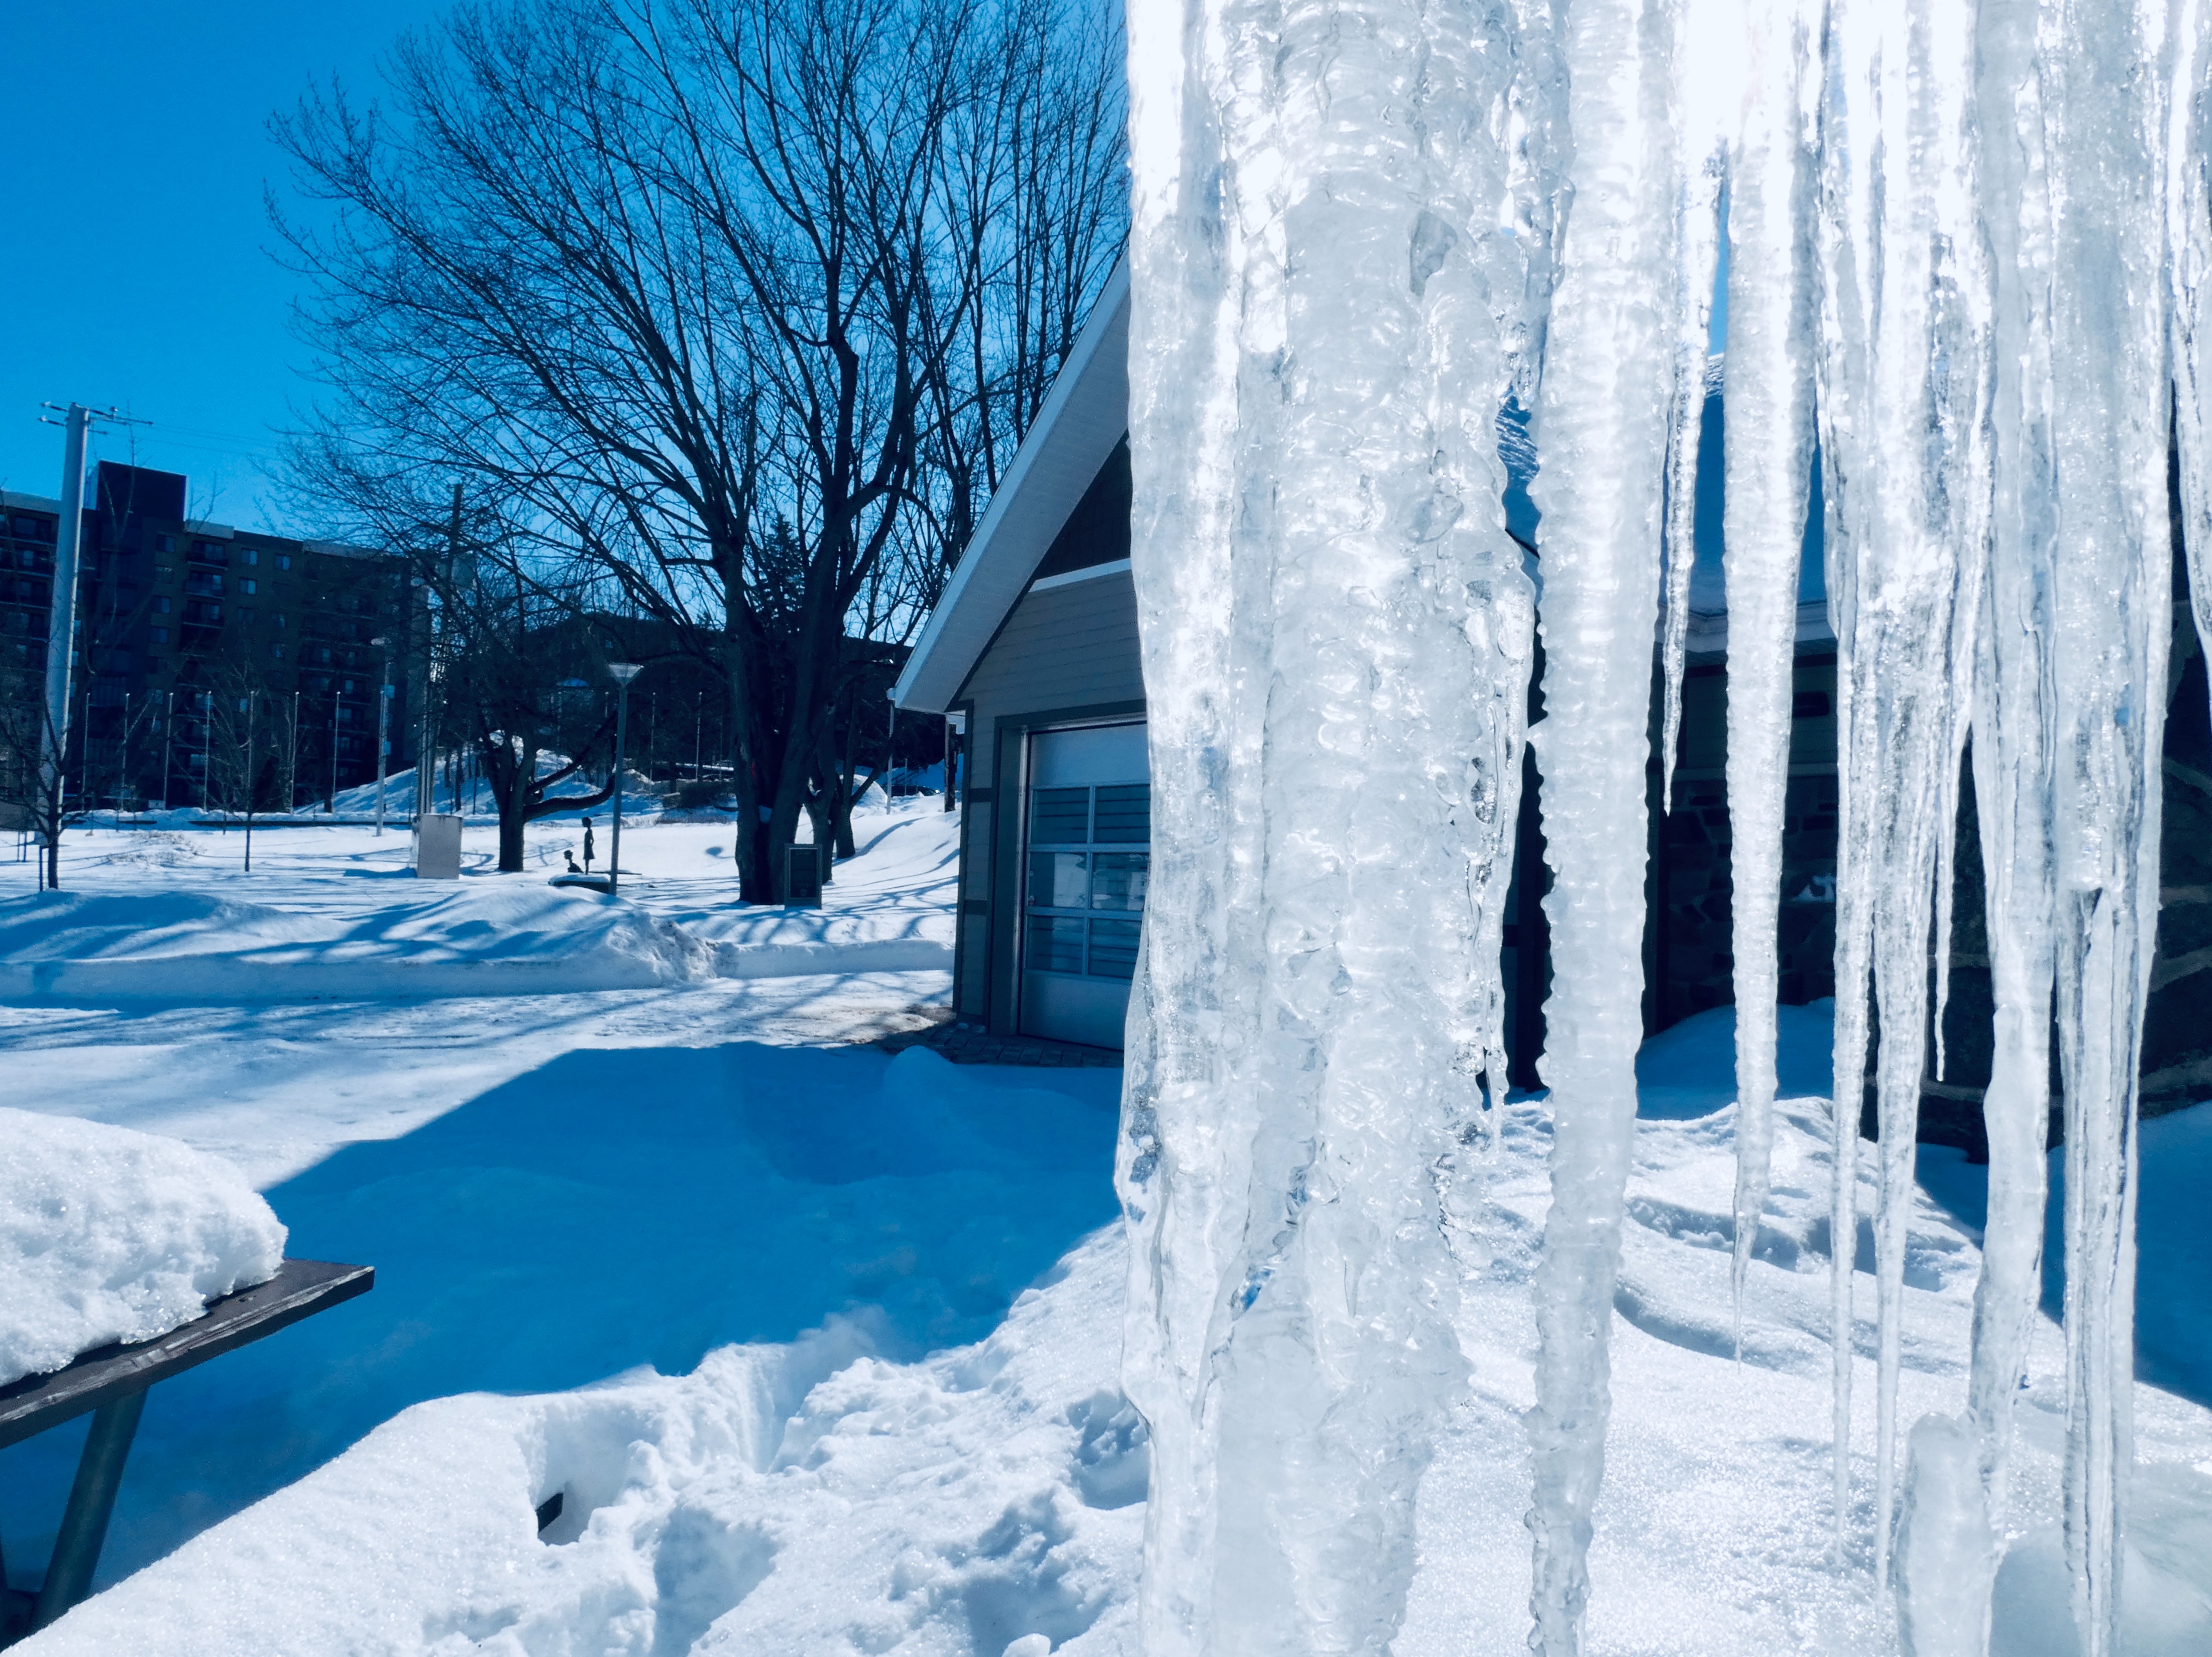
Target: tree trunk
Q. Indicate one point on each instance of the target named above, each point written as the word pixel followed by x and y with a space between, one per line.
pixel 508 775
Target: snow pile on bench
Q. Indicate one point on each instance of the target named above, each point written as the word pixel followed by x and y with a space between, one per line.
pixel 108 1235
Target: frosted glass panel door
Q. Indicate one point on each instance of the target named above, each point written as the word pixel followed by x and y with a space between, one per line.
pixel 1085 863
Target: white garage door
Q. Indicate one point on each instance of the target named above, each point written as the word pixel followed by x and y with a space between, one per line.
pixel 1086 859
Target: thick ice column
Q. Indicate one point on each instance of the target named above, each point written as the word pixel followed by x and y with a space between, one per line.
pixel 2112 614
pixel 2012 718
pixel 1602 428
pixel 1769 454
pixel 1902 390
pixel 1336 636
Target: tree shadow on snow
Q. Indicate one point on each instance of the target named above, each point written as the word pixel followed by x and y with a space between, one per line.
pixel 612 1209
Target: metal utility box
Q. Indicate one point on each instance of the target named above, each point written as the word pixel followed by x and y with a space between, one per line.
pixel 438 848
pixel 802 882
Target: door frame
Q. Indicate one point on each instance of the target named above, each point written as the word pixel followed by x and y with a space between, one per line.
pixel 1009 775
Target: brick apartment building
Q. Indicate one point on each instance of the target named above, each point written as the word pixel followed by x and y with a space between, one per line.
pixel 171 612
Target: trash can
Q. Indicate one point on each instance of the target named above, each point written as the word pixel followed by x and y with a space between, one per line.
pixel 438 848
pixel 802 879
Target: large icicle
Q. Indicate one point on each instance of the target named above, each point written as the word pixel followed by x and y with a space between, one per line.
pixel 1700 168
pixel 1601 429
pixel 1769 450
pixel 2105 110
pixel 1905 316
pixel 1336 632
pixel 1946 1607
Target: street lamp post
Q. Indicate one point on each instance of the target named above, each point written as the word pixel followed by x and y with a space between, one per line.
pixel 623 672
pixel 383 726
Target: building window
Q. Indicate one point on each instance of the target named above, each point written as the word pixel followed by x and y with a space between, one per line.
pixel 283 561
pixel 282 621
pixel 247 583
pixel 246 612
pixel 161 604
pixel 159 635
pixel 165 544
pixel 250 556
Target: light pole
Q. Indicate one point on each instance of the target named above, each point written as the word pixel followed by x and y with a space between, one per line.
pixel 623 672
pixel 383 726
pixel 245 706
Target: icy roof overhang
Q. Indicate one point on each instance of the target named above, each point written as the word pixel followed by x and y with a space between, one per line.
pixel 1082 420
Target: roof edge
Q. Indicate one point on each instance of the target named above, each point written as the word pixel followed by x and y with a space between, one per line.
pixel 1085 414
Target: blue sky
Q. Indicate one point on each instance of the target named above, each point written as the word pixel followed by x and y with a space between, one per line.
pixel 133 152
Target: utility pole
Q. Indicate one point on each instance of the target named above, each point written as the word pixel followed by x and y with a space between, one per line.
pixel 207 748
pixel 61 633
pixel 61 619
pixel 168 745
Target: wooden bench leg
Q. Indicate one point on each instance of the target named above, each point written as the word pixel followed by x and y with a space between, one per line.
pixel 91 1503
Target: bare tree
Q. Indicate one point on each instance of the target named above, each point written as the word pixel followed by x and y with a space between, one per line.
pixel 713 301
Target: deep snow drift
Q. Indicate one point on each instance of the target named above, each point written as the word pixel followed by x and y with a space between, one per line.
pixel 806 1498
pixel 109 1234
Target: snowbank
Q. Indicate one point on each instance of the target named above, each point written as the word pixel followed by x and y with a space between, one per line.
pixel 331 913
pixel 108 1235
pixel 472 938
pixel 793 1499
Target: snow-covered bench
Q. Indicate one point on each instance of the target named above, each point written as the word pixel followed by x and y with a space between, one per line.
pixel 112 1382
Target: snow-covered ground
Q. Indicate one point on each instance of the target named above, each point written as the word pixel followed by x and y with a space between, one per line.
pixel 334 911
pixel 811 1497
pixel 845 1441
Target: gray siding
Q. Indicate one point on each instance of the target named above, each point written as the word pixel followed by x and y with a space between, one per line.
pixel 1071 647
pixel 1066 650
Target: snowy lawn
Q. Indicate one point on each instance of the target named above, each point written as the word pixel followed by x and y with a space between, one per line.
pixel 553 1185
pixel 334 911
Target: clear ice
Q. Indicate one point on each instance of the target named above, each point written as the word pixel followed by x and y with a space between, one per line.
pixel 1337 634
pixel 1967 251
